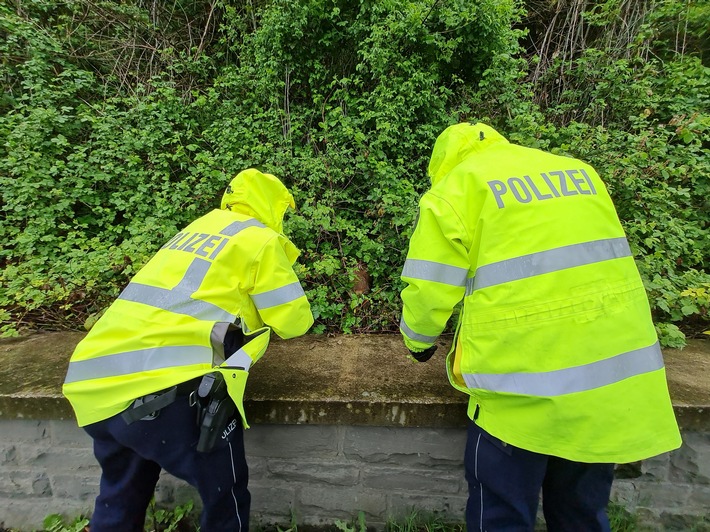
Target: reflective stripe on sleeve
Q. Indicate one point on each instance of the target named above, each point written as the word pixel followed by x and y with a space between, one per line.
pixel 137 361
pixel 548 261
pixel 415 336
pixel 571 380
pixel 278 296
pixel 435 271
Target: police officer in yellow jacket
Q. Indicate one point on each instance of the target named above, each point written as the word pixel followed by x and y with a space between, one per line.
pixel 555 343
pixel 158 381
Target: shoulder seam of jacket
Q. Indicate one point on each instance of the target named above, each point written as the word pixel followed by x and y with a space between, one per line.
pixel 458 217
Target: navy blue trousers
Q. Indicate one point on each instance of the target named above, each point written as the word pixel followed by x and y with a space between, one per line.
pixel 131 457
pixel 504 485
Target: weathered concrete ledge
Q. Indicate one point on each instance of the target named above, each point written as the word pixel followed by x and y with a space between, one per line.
pixel 325 380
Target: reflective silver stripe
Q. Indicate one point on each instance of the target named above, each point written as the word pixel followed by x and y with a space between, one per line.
pixel 178 299
pixel 469 285
pixel 278 296
pixel 233 228
pixel 194 275
pixel 549 261
pixel 240 359
pixel 415 336
pixel 137 362
pixel 434 271
pixel 571 380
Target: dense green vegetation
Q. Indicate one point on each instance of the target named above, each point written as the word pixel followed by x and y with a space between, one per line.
pixel 122 121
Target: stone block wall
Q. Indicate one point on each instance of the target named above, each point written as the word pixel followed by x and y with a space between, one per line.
pixel 316 474
pixel 333 472
pixel 45 467
pixel 670 491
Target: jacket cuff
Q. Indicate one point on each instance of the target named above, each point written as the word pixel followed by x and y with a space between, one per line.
pixel 414 346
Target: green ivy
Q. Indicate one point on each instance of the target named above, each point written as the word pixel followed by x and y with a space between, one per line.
pixel 56 523
pixel 105 150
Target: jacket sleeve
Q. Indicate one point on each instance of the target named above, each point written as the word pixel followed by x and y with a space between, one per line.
pixel 435 272
pixel 277 293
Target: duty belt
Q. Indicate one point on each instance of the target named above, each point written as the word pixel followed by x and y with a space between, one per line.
pixel 148 406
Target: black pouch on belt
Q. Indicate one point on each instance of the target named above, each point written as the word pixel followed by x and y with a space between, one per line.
pixel 148 407
pixel 214 410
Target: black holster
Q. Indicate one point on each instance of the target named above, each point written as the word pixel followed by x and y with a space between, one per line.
pixel 214 410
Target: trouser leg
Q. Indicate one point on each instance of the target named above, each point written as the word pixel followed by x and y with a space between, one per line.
pixel 224 492
pixel 220 476
pixel 504 484
pixel 575 495
pixel 126 487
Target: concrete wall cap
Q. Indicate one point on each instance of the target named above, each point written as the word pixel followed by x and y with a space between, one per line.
pixel 319 379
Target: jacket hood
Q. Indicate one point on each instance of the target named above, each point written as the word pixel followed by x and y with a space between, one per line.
pixel 457 143
pixel 261 196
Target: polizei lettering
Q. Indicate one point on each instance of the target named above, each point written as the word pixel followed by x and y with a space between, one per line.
pixel 202 244
pixel 226 432
pixel 545 186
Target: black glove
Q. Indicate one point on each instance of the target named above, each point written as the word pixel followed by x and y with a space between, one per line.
pixel 423 356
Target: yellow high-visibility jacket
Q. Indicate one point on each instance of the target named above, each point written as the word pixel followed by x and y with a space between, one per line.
pixel 555 342
pixel 231 266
